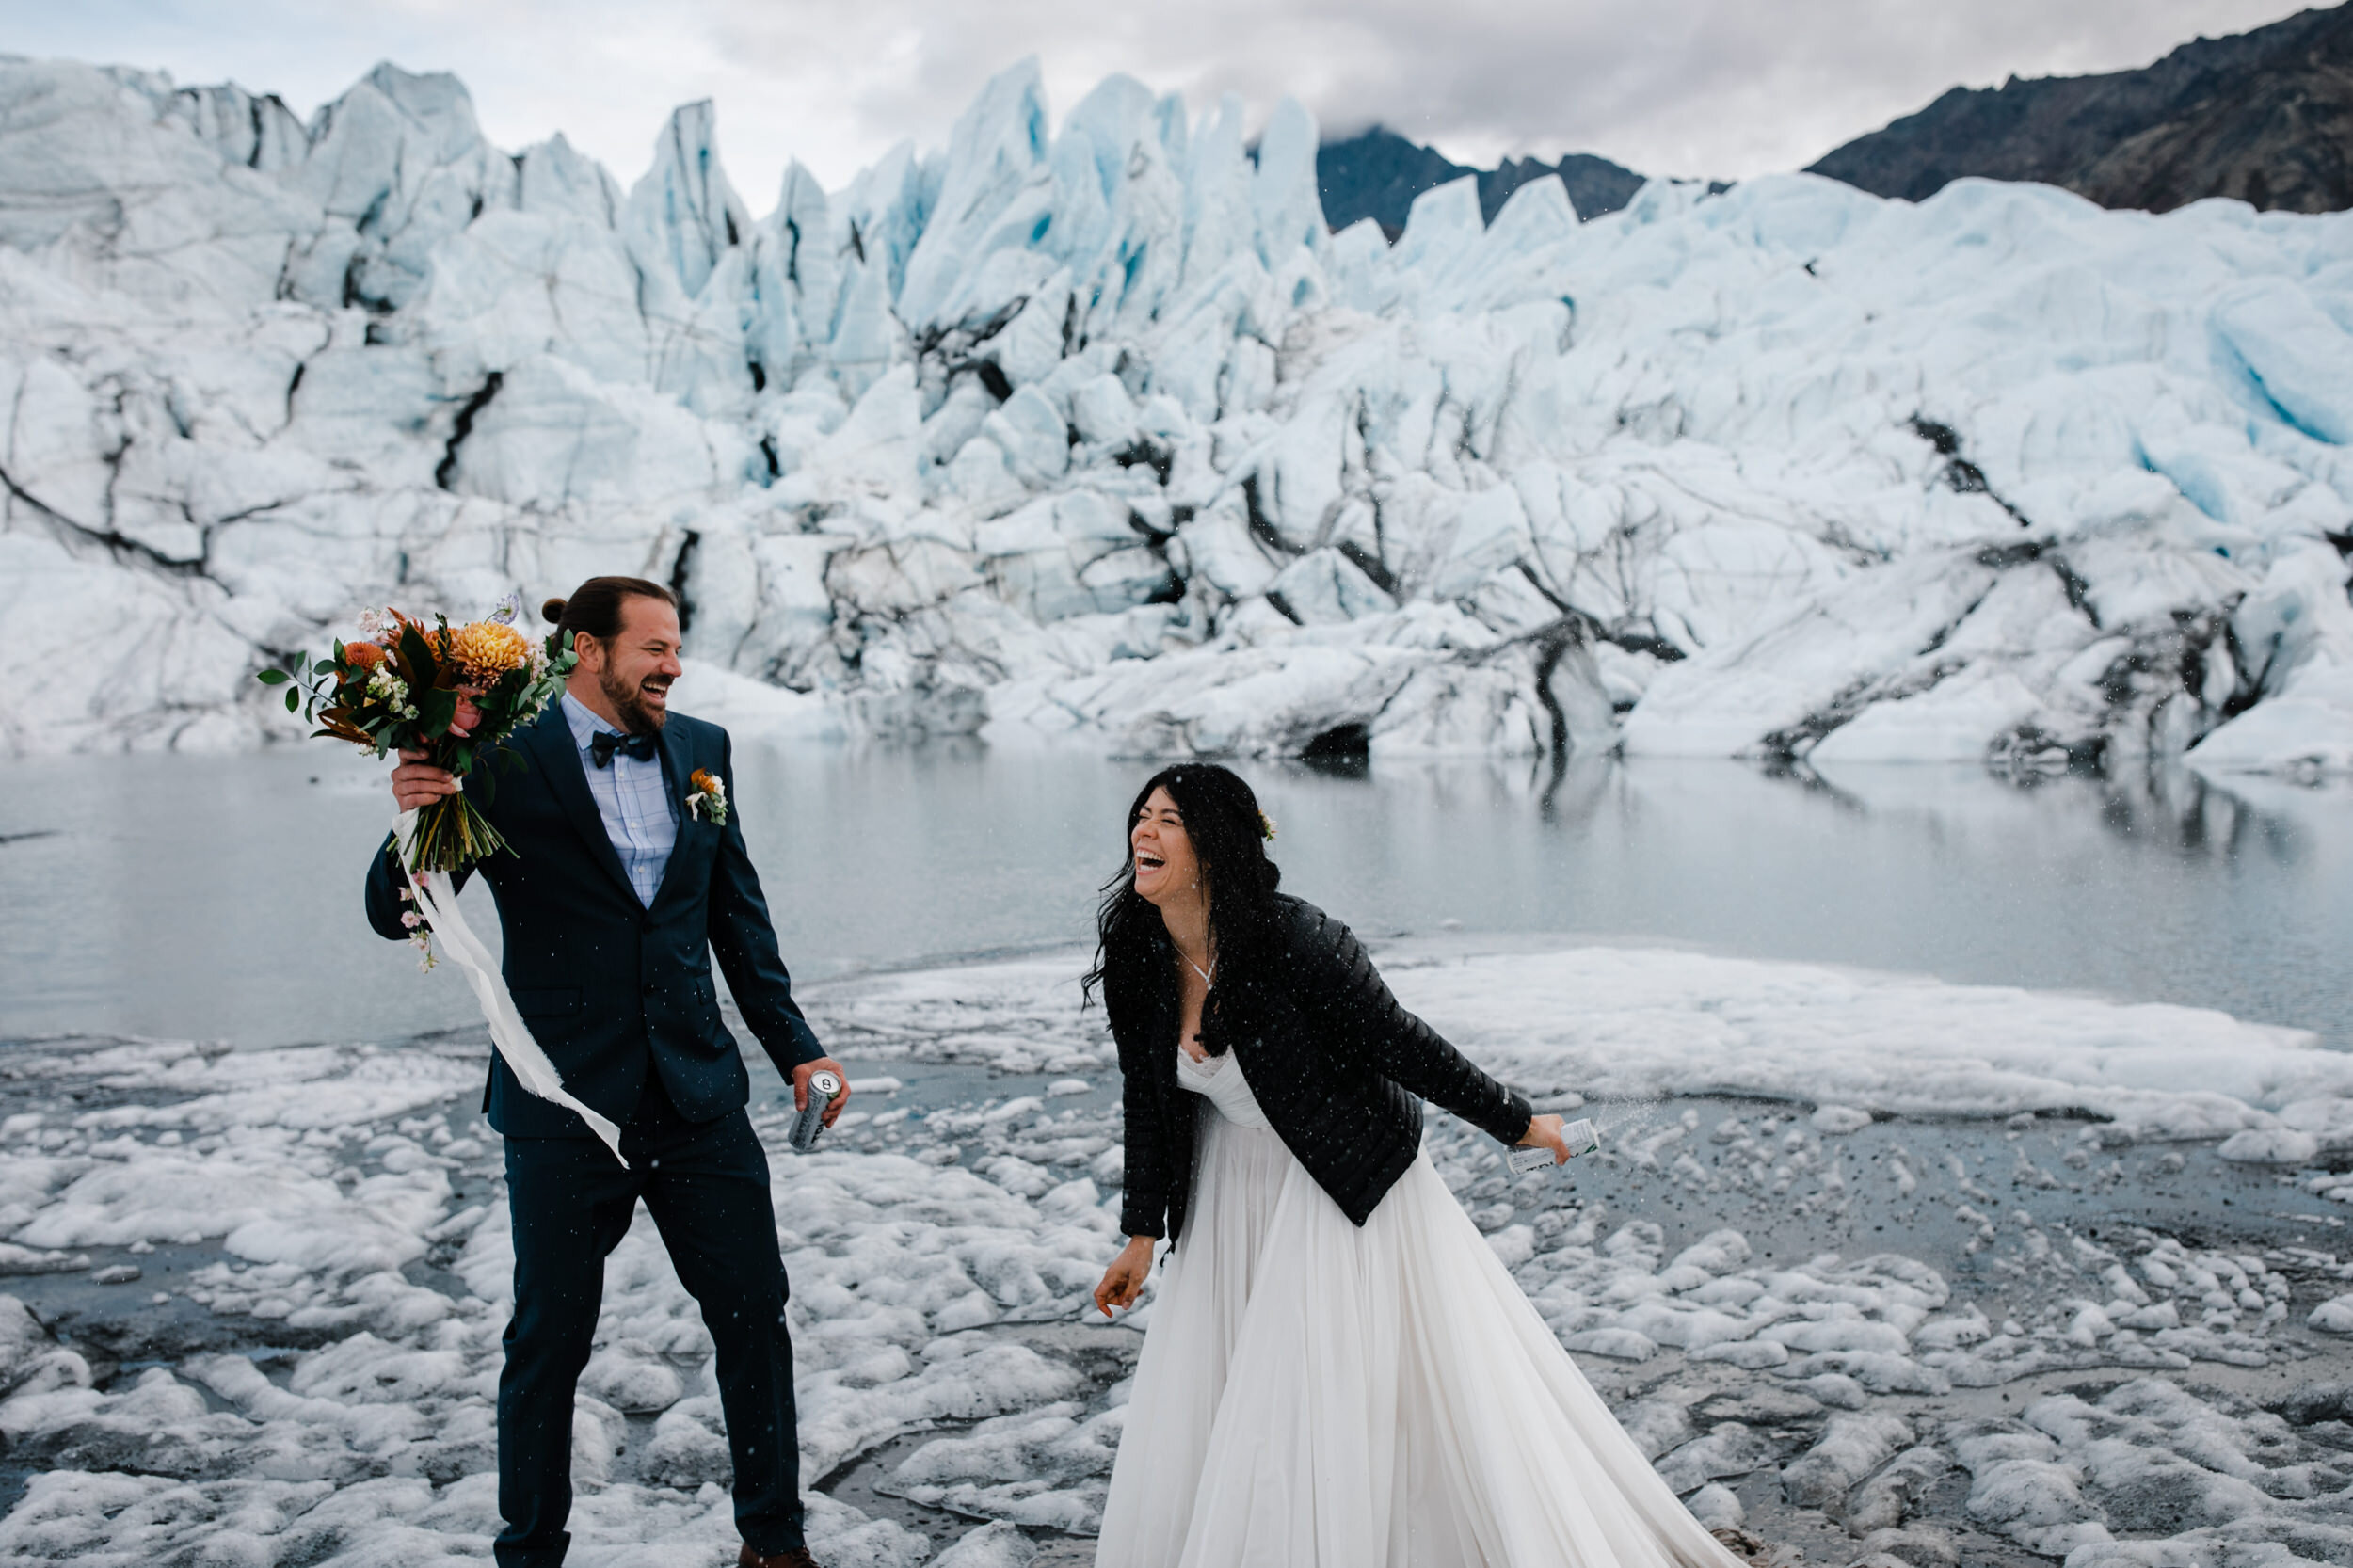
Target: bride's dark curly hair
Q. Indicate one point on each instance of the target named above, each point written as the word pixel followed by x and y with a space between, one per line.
pixel 1133 956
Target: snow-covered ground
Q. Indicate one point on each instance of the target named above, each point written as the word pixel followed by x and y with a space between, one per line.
pixel 2011 1303
pixel 1094 432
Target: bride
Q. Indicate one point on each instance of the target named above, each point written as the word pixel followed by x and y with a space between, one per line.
pixel 1338 1372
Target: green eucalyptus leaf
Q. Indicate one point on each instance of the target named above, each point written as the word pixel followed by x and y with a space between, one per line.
pixel 273 678
pixel 294 701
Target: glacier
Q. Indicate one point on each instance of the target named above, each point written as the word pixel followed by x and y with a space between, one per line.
pixel 1094 435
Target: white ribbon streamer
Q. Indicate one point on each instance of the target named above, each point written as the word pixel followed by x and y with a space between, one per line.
pixel 437 901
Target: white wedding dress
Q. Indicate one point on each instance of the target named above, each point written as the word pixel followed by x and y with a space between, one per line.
pixel 1316 1395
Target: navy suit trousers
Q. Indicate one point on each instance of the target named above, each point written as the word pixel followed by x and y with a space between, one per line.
pixel 706 1185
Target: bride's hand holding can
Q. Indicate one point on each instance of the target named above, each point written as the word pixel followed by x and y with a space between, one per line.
pixel 1543 1132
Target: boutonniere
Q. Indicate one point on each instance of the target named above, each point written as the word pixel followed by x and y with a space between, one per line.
pixel 708 794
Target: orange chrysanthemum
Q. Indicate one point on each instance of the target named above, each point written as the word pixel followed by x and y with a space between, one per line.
pixel 487 651
pixel 365 657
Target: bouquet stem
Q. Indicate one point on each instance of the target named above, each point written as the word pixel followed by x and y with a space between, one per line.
pixel 450 834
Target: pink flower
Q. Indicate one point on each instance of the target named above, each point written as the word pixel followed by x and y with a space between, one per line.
pixel 409 918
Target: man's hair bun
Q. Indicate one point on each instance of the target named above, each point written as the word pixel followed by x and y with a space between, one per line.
pixel 595 607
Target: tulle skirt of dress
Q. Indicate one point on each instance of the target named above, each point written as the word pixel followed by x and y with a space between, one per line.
pixel 1316 1395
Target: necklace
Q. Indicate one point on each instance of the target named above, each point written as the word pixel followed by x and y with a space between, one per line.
pixel 1197 969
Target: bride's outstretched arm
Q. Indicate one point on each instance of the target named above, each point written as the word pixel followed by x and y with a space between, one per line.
pixel 1332 968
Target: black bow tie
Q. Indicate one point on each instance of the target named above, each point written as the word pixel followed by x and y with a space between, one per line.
pixel 604 743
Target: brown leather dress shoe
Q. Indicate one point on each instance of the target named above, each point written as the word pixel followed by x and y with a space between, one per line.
pixel 796 1557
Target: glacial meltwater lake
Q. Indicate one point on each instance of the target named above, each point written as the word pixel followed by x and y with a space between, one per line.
pixel 218 897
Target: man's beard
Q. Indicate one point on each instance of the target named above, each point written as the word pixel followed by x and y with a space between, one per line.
pixel 628 704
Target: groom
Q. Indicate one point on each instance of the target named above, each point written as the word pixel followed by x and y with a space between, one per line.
pixel 612 905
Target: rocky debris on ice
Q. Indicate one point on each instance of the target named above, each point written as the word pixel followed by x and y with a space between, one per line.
pixel 1093 432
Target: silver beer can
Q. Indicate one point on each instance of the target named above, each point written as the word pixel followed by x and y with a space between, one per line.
pixel 824 1089
pixel 1579 1135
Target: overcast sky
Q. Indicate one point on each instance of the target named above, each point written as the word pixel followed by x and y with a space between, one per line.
pixel 1713 88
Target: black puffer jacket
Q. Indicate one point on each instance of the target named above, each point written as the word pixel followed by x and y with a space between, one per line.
pixel 1334 1061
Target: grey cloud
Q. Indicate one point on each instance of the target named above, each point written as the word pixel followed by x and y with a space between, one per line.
pixel 1722 88
pixel 1686 87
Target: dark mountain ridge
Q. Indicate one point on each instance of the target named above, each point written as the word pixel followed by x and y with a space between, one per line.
pixel 2265 116
pixel 1377 174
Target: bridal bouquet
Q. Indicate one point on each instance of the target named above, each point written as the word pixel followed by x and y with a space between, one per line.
pixel 454 692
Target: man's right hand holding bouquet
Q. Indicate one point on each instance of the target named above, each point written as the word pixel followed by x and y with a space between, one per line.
pixel 441 695
pixel 419 781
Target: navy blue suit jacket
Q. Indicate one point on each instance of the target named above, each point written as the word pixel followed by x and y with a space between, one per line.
pixel 610 988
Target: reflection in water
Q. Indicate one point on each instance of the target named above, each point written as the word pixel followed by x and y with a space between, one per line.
pixel 2178 809
pixel 219 896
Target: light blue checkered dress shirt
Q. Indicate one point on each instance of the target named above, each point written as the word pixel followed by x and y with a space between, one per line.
pixel 639 816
